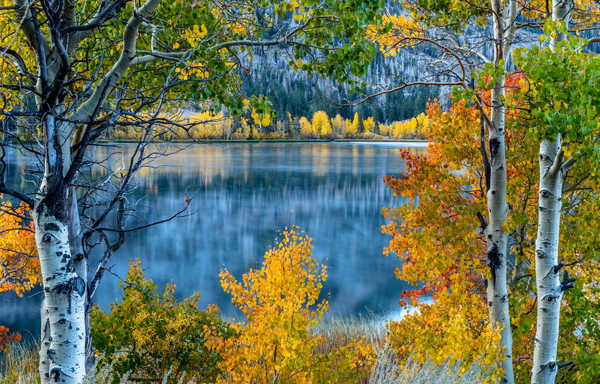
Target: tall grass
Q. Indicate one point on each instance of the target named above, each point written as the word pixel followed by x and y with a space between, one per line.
pixel 339 332
pixel 18 365
pixel 387 371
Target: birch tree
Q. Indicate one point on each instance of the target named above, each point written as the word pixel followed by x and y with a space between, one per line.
pixel 442 252
pixel 553 165
pixel 75 70
pixel 437 25
pixel 563 104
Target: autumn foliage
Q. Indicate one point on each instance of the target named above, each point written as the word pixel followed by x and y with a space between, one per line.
pixel 439 246
pixel 281 304
pixel 20 268
pixel 207 125
pixel 150 333
pixel 442 248
pixel 19 265
pixel 7 337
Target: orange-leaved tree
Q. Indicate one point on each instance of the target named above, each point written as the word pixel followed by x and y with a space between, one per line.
pixel 442 248
pixel 19 266
pixel 277 342
pixel 439 246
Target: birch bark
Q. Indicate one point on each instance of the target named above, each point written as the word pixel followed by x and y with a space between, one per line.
pixel 496 239
pixel 547 268
pixel 548 285
pixel 65 344
pixel 62 349
pixel 62 354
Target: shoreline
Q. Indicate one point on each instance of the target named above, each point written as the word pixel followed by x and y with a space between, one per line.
pixel 256 141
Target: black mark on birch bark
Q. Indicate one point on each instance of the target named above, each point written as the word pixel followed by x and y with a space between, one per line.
pixel 494 146
pixel 493 261
pixel 51 227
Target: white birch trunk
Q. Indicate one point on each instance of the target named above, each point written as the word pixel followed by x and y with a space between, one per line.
pixel 62 353
pixel 65 338
pixel 44 364
pixel 549 291
pixel 80 265
pixel 497 240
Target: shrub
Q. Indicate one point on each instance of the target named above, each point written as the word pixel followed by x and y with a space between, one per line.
pixel 19 266
pixel 149 333
pixel 281 304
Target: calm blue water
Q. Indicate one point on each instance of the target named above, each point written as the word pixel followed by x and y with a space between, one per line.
pixel 241 195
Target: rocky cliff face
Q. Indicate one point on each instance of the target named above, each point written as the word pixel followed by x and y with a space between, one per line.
pixel 268 73
pixel 297 93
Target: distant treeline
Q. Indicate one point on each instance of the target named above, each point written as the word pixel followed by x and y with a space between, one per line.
pixel 207 126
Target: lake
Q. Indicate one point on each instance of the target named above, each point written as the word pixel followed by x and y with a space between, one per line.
pixel 241 195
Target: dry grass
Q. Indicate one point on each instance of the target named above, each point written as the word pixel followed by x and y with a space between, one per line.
pixel 339 332
pixel 342 331
pixel 387 371
pixel 19 364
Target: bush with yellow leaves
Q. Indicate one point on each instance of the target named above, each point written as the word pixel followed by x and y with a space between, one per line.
pixel 306 128
pixel 19 265
pixel 149 333
pixel 320 123
pixel 281 304
pixel 352 126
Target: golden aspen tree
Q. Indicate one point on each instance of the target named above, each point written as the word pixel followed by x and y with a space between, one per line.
pixel 368 125
pixel 352 127
pixel 320 124
pixel 338 125
pixel 306 128
pixel 281 304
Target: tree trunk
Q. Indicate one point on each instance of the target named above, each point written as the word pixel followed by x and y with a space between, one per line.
pixel 80 265
pixel 56 219
pixel 62 353
pixel 497 240
pixel 549 290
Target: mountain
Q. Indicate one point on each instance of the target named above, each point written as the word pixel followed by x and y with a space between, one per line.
pixel 268 73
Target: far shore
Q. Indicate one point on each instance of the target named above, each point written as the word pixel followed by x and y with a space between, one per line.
pixel 220 141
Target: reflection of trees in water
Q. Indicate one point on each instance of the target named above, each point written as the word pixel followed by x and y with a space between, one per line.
pixel 241 194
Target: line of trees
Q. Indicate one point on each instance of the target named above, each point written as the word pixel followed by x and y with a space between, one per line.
pixel 261 126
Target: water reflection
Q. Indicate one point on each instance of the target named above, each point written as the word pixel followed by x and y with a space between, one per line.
pixel 241 195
